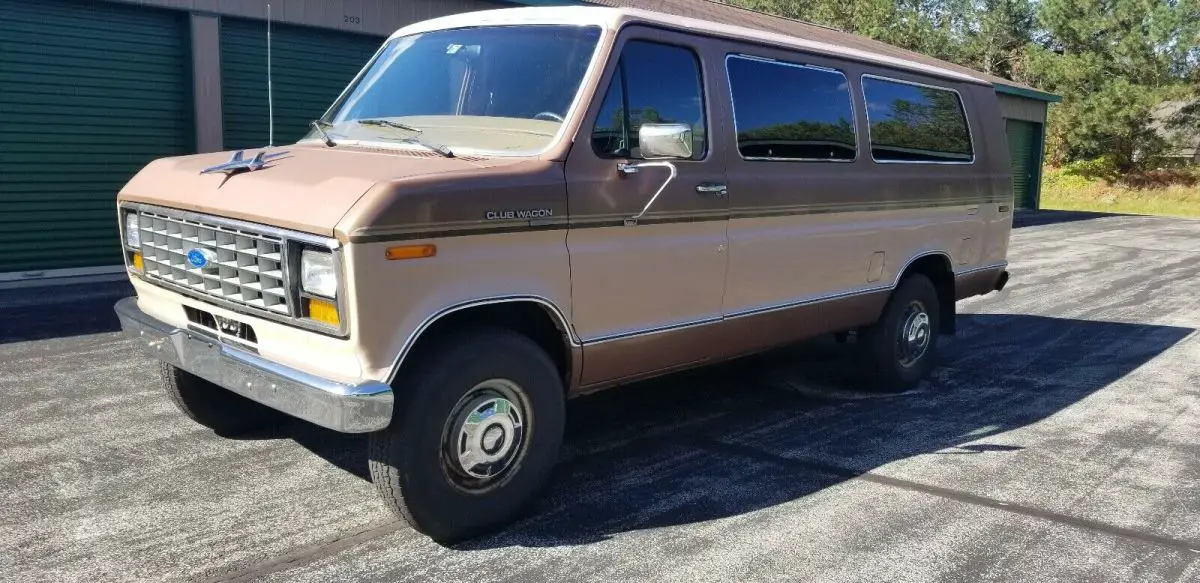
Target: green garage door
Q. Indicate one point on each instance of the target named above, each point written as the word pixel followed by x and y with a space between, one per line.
pixel 1024 145
pixel 309 69
pixel 89 93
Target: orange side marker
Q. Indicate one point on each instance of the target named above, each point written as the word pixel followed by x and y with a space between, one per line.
pixel 411 252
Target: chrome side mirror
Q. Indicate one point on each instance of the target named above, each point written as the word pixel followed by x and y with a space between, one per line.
pixel 665 141
pixel 659 142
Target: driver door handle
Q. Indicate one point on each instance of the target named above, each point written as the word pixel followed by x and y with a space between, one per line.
pixel 716 189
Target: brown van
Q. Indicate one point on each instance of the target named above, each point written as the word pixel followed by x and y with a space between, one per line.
pixel 507 208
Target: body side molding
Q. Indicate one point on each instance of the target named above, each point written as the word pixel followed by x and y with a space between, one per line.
pixel 576 342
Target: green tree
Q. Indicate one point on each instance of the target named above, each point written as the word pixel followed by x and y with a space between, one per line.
pixel 932 27
pixel 1113 61
pixel 996 39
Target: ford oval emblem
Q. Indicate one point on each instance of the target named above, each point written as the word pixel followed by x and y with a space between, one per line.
pixel 200 258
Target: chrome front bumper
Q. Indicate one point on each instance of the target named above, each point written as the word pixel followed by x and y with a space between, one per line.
pixel 349 408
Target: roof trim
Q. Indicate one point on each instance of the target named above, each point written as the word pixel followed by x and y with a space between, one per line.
pixel 1027 93
pixel 1010 87
pixel 612 19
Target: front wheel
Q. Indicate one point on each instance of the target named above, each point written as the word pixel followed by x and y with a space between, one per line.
pixel 477 437
pixel 901 348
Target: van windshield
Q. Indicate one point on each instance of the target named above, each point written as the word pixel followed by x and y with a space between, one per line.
pixel 491 89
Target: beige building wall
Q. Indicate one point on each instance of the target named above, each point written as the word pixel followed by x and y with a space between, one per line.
pixel 1013 107
pixel 206 80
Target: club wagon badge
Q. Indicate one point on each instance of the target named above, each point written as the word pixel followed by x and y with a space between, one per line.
pixel 512 215
pixel 201 258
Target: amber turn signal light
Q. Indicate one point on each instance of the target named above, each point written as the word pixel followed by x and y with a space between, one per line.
pixel 137 262
pixel 411 252
pixel 323 311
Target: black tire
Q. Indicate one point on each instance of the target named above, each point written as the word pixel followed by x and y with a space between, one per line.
pixel 225 412
pixel 887 363
pixel 412 463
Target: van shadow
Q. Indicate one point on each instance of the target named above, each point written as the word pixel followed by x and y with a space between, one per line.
pixel 731 439
pixel 1037 218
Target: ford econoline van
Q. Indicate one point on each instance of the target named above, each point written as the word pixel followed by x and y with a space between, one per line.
pixel 508 208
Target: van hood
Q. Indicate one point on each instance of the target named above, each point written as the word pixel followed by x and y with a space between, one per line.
pixel 305 187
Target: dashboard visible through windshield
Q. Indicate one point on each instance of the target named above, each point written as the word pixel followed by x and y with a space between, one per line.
pixel 489 89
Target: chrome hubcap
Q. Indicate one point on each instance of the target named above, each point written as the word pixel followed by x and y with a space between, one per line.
pixel 915 335
pixel 486 433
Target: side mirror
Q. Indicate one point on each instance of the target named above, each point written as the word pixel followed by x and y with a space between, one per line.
pixel 665 140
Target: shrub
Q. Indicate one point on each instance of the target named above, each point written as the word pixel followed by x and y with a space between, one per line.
pixel 1104 168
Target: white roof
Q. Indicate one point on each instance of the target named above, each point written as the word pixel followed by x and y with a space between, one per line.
pixel 610 19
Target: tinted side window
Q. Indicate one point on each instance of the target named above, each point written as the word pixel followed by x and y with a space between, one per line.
pixel 914 123
pixel 654 83
pixel 793 112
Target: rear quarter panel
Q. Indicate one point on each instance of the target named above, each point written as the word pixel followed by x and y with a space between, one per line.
pixel 810 229
pixel 997 221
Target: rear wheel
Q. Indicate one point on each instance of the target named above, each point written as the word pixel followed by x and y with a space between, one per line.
pixel 225 412
pixel 901 348
pixel 477 437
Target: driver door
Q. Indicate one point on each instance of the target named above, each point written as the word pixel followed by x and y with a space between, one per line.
pixel 647 272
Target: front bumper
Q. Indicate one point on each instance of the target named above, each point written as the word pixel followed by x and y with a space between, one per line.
pixel 349 408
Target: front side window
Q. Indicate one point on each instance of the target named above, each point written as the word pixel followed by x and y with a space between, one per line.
pixel 916 123
pixel 653 83
pixel 498 89
pixel 784 111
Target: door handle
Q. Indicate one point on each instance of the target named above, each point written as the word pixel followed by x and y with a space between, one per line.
pixel 712 188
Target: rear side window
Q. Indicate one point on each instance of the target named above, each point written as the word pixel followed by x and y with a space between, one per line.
pixel 784 111
pixel 653 83
pixel 916 123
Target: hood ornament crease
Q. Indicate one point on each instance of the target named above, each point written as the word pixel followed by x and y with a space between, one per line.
pixel 239 163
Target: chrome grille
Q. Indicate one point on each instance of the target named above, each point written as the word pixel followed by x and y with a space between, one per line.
pixel 249 267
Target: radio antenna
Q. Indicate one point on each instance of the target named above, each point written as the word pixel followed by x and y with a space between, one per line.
pixel 270 95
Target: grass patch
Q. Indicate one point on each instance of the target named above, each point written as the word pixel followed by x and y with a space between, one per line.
pixel 1170 193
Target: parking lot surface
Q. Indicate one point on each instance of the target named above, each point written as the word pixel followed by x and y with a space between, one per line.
pixel 1059 441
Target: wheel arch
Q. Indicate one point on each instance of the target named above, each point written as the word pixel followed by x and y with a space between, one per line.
pixel 533 316
pixel 936 266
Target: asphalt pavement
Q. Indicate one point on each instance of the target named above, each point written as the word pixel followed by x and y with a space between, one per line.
pixel 1059 441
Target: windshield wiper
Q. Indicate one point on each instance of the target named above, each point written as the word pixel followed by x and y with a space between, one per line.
pixel 443 150
pixel 320 125
pixel 389 123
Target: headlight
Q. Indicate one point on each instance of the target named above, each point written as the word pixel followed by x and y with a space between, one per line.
pixel 317 275
pixel 133 236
